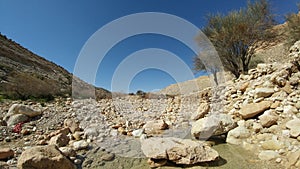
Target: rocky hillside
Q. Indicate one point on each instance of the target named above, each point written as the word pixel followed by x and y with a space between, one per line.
pixel 24 74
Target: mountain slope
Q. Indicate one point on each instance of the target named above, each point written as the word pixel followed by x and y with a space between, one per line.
pixel 24 74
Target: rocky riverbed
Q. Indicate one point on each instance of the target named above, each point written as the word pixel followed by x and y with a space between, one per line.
pixel 250 122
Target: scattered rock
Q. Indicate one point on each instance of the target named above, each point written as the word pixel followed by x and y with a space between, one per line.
pixel 22 109
pixel 203 109
pixel 289 109
pixel 46 157
pixel 108 156
pixel 263 92
pixel 72 125
pixel 180 151
pixel 155 127
pixel 59 140
pixel 272 145
pixel 67 151
pixel 138 132
pixel 79 145
pixel 253 109
pixel 294 126
pixel 6 153
pixel 268 119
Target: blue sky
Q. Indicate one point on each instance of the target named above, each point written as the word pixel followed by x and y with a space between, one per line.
pixel 58 29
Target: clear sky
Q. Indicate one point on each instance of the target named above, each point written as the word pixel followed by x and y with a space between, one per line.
pixel 58 29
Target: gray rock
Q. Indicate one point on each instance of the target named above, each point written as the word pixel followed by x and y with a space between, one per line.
pixel 67 151
pixel 79 145
pixel 180 151
pixel 212 125
pixel 46 157
pixel 17 118
pixel 268 155
pixel 22 109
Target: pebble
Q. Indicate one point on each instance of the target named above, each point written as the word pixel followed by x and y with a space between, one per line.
pixel 77 161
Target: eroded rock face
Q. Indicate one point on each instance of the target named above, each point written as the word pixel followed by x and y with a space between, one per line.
pixel 212 125
pixel 253 109
pixel 180 151
pixel 46 157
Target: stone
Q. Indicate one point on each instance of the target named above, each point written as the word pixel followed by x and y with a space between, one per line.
pixel 212 126
pixel 287 88
pixel 59 140
pixel 67 151
pixel 268 119
pixel 156 163
pixel 46 157
pixel 90 132
pixel 77 135
pixel 202 110
pixel 293 158
pixel 244 86
pixel 72 125
pixel 236 135
pixel 271 145
pixel 254 109
pixel 275 105
pixel 179 151
pixel 263 92
pixel 17 118
pixel 6 153
pixel 107 156
pixel 155 127
pixel 290 109
pixel 268 155
pixel 138 132
pixel 79 145
pixel 294 126
pixel 22 109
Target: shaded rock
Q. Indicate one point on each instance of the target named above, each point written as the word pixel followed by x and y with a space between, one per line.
pixel 46 157
pixel 268 155
pixel 155 127
pixel 263 92
pixel 17 118
pixel 59 140
pixel 154 163
pixel 79 145
pixel 253 109
pixel 213 125
pixel 180 151
pixel 236 135
pixel 72 125
pixel 6 153
pixel 294 126
pixel 268 119
pixel 202 110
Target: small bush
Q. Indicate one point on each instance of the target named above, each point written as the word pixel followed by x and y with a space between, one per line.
pixel 293 26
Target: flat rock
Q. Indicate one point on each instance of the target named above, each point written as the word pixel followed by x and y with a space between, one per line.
pixel 6 153
pixel 46 157
pixel 179 151
pixel 267 119
pixel 294 126
pixel 263 92
pixel 212 125
pixel 253 109
pixel 67 151
pixel 268 155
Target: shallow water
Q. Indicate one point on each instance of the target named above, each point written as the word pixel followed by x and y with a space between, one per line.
pixel 231 157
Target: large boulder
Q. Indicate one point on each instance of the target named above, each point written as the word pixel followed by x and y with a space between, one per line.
pixel 22 109
pixel 254 109
pixel 180 151
pixel 212 126
pixel 45 157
